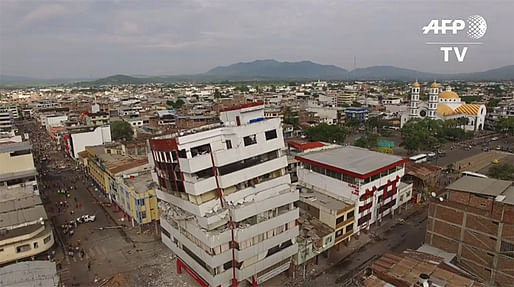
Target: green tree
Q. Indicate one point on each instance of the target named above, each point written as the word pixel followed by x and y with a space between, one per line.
pixel 327 133
pixel 505 125
pixel 290 117
pixel 503 171
pixel 369 141
pixel 352 123
pixel 217 94
pixel 121 130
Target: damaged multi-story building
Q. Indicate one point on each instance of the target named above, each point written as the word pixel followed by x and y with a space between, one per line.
pixel 227 207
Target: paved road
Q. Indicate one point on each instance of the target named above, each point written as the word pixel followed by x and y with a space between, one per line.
pixel 107 251
pixel 400 237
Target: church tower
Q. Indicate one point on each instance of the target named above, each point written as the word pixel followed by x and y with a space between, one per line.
pixel 433 99
pixel 414 100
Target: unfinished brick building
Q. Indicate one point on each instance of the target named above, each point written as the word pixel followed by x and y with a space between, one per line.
pixel 475 220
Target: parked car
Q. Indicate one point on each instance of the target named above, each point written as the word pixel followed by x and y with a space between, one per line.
pixel 494 139
pixel 431 154
pixel 86 218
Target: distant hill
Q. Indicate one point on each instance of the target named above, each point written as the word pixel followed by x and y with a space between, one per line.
pixel 118 80
pixel 272 69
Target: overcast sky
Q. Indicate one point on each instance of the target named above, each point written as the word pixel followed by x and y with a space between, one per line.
pixel 75 38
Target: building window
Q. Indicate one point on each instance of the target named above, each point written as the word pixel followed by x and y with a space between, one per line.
pixel 143 214
pixel 165 232
pixel 36 245
pixel 350 214
pixel 182 153
pixel 348 228
pixel 339 219
pixel 22 248
pixel 339 232
pixel 507 248
pixel 250 140
pixel 364 218
pixel 271 134
pixel 47 239
pixel 229 144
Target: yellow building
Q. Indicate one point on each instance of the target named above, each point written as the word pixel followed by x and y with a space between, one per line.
pixel 136 196
pixel 126 181
pixel 96 170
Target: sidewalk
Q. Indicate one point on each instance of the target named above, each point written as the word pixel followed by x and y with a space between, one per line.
pixel 130 233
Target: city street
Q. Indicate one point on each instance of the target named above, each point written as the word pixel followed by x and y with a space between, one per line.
pixel 402 236
pixel 99 249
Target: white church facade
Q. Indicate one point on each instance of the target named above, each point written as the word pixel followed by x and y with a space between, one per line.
pixel 444 105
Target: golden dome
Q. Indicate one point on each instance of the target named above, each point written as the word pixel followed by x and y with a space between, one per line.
pixel 468 109
pixel 444 110
pixel 415 84
pixel 435 85
pixel 448 95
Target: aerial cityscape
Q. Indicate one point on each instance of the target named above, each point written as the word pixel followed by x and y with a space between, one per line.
pixel 256 143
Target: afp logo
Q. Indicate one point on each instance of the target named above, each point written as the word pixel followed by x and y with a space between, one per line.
pixel 475 27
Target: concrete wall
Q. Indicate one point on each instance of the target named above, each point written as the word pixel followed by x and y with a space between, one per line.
pixel 98 136
pixel 34 240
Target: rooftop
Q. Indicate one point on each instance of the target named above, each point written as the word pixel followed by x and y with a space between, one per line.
pixel 406 268
pixel 311 229
pixel 361 162
pixel 322 201
pixel 29 273
pixel 305 145
pixel 483 186
pixel 141 183
pixel 17 217
pixel 18 146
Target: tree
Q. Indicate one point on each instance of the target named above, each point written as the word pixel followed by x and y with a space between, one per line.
pixel 369 141
pixel 121 130
pixel 290 117
pixel 327 133
pixel 352 123
pixel 505 125
pixel 503 171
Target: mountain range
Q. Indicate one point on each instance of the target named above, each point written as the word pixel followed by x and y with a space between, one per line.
pixel 269 70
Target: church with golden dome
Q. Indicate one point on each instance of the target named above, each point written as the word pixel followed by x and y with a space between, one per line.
pixel 444 105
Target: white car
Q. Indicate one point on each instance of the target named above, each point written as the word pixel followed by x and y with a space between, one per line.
pixel 86 218
pixel 431 154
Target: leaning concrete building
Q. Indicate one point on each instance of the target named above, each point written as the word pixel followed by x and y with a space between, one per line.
pixel 227 207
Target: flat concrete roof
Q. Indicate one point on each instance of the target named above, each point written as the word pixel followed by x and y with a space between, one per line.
pixel 141 183
pixel 353 159
pixel 29 273
pixel 12 147
pixel 17 217
pixel 478 185
pixel 321 200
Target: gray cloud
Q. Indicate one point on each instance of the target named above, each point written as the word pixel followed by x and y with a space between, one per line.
pixel 50 39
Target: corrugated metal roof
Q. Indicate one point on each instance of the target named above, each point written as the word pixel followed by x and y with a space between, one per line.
pixel 483 186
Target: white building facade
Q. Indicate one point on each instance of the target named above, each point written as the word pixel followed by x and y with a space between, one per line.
pixel 77 140
pixel 227 207
pixel 370 179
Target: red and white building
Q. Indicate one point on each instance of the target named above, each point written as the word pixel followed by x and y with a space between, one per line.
pixel 227 207
pixel 370 179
